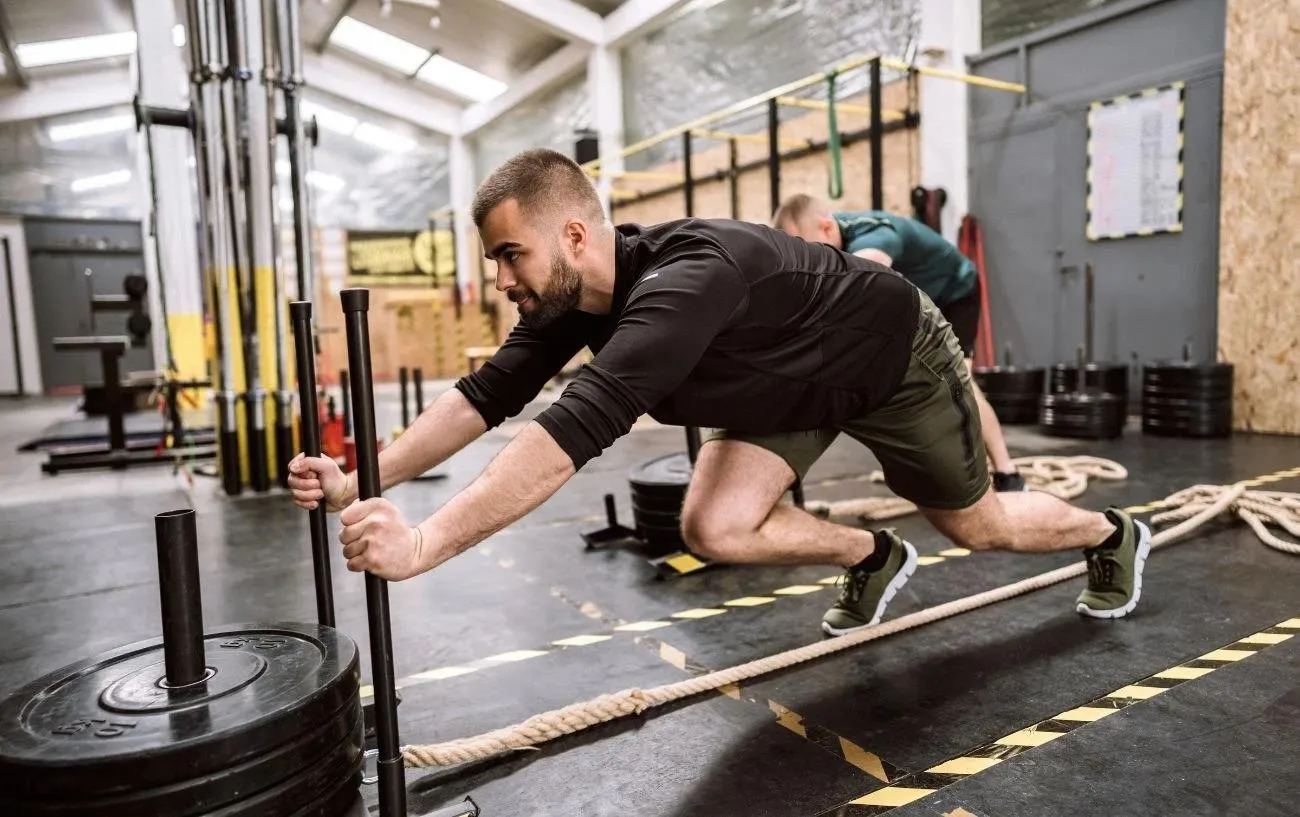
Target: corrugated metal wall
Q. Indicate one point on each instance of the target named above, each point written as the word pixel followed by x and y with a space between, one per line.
pixel 1002 20
pixel 731 50
pixel 712 56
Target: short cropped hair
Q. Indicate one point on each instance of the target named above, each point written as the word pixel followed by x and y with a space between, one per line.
pixel 796 209
pixel 538 179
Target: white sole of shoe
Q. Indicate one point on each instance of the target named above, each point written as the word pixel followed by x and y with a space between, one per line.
pixel 891 590
pixel 1139 561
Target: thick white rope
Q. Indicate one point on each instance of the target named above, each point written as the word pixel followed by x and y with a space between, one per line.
pixel 1190 508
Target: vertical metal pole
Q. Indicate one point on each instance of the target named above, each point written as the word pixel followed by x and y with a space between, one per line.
pixel 692 443
pixel 291 63
pixel 347 403
pixel 182 606
pixel 205 59
pixel 243 208
pixel 688 184
pixel 403 377
pixel 688 188
pixel 305 348
pixel 392 781
pixel 418 376
pixel 283 395
pixel 733 173
pixel 877 140
pixel 773 155
pixel 110 362
pixel 13 315
pixel 1089 307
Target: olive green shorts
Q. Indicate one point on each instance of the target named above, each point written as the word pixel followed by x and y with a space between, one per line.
pixel 927 437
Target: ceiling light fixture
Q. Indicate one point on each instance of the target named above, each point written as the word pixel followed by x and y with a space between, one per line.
pixel 379 46
pixel 460 79
pixel 91 127
pixel 87 183
pixel 75 49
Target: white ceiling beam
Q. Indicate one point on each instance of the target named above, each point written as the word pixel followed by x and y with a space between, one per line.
pixel 563 18
pixel 342 78
pixel 638 18
pixel 554 69
pixel 56 96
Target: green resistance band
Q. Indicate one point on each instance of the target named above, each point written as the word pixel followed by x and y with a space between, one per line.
pixel 835 187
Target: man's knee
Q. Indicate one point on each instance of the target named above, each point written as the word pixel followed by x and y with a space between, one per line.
pixel 710 532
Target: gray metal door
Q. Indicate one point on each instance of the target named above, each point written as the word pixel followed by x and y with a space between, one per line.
pixel 61 295
pixel 1028 186
pixel 1018 219
pixel 1153 293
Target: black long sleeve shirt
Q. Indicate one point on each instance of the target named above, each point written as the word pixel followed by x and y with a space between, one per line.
pixel 714 323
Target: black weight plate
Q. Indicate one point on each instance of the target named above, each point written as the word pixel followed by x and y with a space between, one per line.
pixel 672 471
pixel 138 324
pixel 135 285
pixel 1202 394
pixel 106 727
pixel 1111 378
pixel 657 520
pixel 657 504
pixel 225 787
pixel 1003 381
pixel 336 771
pixel 1090 416
pixel 1016 415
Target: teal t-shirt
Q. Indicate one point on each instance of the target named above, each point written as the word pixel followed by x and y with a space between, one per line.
pixel 920 254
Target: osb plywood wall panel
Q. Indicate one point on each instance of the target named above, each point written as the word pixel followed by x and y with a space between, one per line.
pixel 1259 256
pixel 809 174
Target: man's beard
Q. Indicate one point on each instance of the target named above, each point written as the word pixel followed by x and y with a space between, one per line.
pixel 562 293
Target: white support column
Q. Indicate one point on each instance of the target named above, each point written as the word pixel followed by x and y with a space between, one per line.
pixel 950 32
pixel 163 83
pixel 605 85
pixel 460 169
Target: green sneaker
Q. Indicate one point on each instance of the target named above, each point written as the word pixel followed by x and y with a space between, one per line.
pixel 864 595
pixel 1115 574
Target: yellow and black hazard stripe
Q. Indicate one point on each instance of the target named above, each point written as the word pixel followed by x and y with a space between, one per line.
pixel 634 628
pixel 836 744
pixel 1090 203
pixel 921 784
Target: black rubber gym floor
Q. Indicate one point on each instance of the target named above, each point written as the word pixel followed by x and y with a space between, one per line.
pixel 1190 706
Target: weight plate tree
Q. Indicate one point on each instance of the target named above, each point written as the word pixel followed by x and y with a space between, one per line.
pixel 257 719
pixel 1186 399
pixel 1012 391
pixel 658 489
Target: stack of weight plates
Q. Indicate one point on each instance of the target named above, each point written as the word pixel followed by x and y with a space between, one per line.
pixel 1185 399
pixel 274 731
pixel 658 490
pixel 1012 391
pixel 1087 414
pixel 1108 378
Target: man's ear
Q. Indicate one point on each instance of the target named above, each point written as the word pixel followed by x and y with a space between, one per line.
pixel 575 235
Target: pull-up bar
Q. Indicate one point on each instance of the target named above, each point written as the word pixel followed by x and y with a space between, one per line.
pixel 841 107
pixel 969 79
pixel 725 136
pixel 732 110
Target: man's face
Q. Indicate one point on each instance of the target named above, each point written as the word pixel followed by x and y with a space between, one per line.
pixel 532 267
pixel 814 228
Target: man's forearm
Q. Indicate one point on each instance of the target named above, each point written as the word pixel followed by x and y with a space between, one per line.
pixel 530 469
pixel 449 424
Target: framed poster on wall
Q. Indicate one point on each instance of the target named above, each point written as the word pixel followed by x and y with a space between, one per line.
pixel 1135 164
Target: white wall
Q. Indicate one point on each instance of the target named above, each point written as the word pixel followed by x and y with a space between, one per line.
pixel 12 229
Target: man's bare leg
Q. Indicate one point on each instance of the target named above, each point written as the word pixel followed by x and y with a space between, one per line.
pixel 1030 522
pixel 732 514
pixel 994 443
